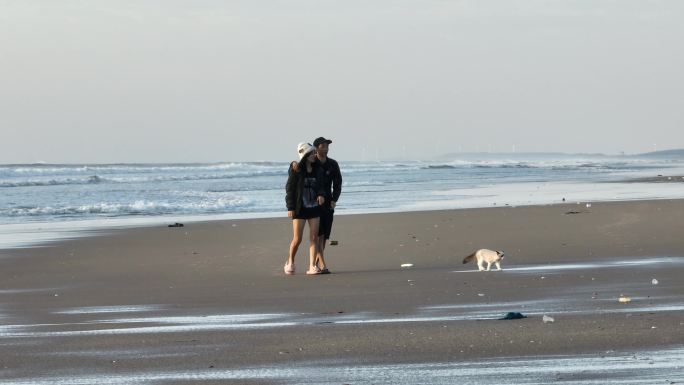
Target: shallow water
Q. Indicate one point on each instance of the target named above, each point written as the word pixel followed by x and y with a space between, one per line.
pixel 655 262
pixel 640 367
pixel 224 322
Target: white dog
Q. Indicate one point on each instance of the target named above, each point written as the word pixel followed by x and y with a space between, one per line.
pixel 485 255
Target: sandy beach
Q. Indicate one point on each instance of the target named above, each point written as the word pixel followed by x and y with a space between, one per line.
pixel 208 302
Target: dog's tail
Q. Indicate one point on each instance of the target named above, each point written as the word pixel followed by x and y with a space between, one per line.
pixel 469 258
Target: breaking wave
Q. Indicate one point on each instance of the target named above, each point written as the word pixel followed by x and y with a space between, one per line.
pixel 140 207
pixel 135 179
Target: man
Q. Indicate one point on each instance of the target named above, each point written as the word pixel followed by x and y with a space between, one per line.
pixel 332 186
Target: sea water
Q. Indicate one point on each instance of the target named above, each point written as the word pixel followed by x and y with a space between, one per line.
pixel 43 201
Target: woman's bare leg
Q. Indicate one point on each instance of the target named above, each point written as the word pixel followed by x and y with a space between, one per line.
pixel 297 232
pixel 313 242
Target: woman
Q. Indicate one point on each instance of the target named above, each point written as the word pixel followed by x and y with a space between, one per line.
pixel 304 195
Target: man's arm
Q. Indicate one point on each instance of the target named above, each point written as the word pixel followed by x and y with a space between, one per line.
pixel 336 183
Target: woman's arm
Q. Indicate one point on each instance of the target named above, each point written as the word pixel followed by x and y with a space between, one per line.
pixel 291 190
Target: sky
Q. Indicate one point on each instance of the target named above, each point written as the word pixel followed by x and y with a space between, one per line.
pixel 96 81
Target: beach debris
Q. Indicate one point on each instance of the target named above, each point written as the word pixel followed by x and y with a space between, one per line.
pixel 654 281
pixel 624 299
pixel 406 265
pixel 480 295
pixel 547 319
pixel 177 225
pixel 594 295
pixel 334 243
pixel 513 315
pixel 588 205
pixel 572 212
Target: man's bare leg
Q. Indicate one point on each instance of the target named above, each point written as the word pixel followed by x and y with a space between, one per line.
pixel 320 260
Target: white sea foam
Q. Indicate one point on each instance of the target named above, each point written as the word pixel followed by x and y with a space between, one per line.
pixel 137 207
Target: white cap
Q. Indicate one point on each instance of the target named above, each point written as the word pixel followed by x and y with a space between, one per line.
pixel 304 149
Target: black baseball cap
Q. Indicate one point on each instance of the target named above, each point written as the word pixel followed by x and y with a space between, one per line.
pixel 321 140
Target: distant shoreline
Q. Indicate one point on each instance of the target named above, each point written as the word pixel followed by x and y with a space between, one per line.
pixel 40 204
pixel 40 234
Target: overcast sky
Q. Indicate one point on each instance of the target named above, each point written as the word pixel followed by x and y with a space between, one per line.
pixel 203 80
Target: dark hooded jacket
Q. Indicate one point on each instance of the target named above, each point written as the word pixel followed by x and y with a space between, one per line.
pixel 294 188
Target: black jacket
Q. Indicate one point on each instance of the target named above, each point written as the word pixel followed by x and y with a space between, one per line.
pixel 332 180
pixel 295 186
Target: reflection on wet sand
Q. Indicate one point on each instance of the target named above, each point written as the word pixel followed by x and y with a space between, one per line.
pixel 643 367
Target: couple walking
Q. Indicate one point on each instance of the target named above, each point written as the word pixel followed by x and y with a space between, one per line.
pixel 313 186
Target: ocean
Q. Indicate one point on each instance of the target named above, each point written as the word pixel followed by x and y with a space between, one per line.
pixel 42 202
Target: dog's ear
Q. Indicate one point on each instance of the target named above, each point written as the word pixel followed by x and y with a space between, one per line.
pixel 500 253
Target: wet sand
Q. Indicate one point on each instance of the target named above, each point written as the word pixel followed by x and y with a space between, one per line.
pixel 208 303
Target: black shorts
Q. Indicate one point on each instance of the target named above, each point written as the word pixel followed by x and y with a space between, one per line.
pixel 308 213
pixel 325 226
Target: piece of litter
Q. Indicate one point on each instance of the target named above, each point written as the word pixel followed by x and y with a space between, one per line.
pixel 588 205
pixel 513 315
pixel 334 243
pixel 547 319
pixel 624 299
pixel 480 295
pixel 654 281
pixel 406 265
